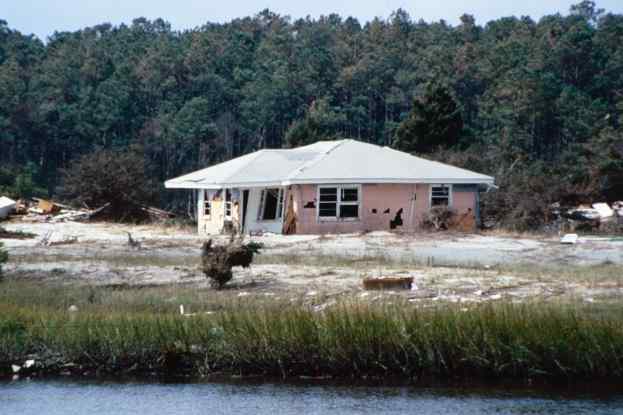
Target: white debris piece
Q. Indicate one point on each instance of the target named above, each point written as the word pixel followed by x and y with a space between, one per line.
pixel 16 368
pixel 569 239
pixel 6 206
pixel 73 308
pixel 604 210
pixel 29 363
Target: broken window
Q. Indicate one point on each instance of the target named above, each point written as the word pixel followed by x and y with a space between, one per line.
pixel 271 204
pixel 440 195
pixel 338 202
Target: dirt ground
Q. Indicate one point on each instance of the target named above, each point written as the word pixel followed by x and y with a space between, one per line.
pixel 446 267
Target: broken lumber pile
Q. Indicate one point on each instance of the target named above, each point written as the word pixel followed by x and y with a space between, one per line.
pixel 51 211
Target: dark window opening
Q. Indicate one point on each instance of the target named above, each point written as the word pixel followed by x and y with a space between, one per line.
pixel 272 205
pixel 349 211
pixel 350 195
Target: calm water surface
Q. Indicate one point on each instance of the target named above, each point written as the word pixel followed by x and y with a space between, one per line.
pixel 63 397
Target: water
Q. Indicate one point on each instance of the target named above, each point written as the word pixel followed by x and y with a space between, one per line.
pixel 67 398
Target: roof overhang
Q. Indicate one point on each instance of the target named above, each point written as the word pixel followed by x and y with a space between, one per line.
pixel 489 182
pixel 216 186
pixel 387 180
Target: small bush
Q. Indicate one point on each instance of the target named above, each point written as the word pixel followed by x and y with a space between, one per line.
pixel 438 218
pixel 218 261
pixel 4 257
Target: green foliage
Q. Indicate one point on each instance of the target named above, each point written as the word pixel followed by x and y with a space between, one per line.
pixel 20 182
pixel 4 257
pixel 435 121
pixel 545 92
pixel 321 123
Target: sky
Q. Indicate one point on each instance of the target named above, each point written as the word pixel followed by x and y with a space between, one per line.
pixel 44 17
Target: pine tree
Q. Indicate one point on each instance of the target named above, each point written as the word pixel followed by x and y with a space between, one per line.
pixel 435 121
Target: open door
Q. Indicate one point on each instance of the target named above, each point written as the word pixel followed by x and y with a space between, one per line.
pixel 245 202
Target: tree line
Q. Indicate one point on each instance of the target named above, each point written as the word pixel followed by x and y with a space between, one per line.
pixel 538 104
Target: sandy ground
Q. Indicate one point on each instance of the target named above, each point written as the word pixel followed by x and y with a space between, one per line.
pixel 448 267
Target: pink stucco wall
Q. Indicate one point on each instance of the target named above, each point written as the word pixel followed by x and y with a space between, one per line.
pixel 379 206
pixel 462 202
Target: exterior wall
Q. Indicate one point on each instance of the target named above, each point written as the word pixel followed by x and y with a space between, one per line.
pixel 214 224
pixel 379 208
pixel 252 223
pixel 464 201
pixel 381 204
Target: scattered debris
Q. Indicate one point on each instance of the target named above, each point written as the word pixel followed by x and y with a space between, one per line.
pixel 569 239
pixel 65 241
pixel 45 207
pixel 604 210
pixel 156 213
pixel 597 216
pixel 7 206
pixel 384 283
pixel 73 308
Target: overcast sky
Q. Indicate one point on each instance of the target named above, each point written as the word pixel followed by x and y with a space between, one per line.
pixel 43 17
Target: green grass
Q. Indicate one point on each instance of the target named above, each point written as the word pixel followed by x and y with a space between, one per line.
pixel 140 331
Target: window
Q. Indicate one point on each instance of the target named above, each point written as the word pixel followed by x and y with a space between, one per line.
pixel 228 203
pixel 440 195
pixel 338 202
pixel 207 204
pixel 271 204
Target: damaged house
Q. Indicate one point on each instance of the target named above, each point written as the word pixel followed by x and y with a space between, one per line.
pixel 330 187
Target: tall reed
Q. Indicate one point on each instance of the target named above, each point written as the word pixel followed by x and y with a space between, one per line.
pixel 498 341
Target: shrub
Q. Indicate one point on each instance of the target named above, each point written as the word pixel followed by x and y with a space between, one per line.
pixel 218 261
pixel 4 257
pixel 109 176
pixel 438 218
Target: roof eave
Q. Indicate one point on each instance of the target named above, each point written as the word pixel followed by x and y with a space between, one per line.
pixel 481 180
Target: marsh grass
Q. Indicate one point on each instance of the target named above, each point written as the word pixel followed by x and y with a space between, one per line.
pixel 139 330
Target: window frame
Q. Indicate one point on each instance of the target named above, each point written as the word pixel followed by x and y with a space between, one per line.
pixel 279 208
pixel 430 194
pixel 207 205
pixel 227 197
pixel 338 203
